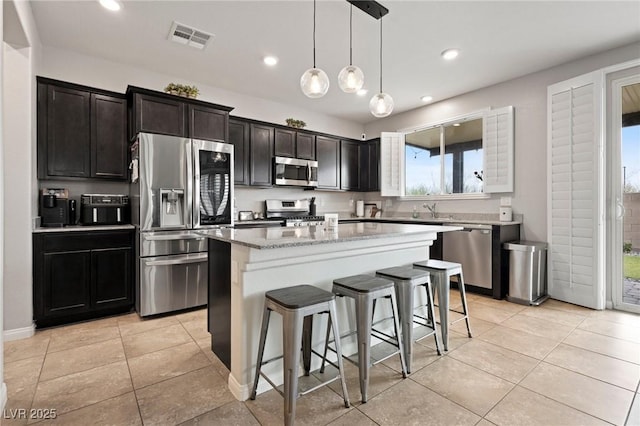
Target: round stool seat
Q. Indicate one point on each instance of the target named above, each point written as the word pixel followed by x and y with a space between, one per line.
pixel 299 296
pixel 363 283
pixel 403 273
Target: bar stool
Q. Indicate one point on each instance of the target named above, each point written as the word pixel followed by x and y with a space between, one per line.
pixel 442 272
pixel 406 279
pixel 365 290
pixel 297 305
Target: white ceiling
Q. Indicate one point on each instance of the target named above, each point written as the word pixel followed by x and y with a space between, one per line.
pixel 498 41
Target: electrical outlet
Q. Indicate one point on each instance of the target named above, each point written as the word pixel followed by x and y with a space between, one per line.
pixel 505 201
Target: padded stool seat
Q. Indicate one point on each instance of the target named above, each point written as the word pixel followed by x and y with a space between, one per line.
pixel 365 290
pixel 441 271
pixel 406 279
pixel 297 305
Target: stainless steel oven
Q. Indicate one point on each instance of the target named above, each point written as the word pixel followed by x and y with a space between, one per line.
pixel 295 172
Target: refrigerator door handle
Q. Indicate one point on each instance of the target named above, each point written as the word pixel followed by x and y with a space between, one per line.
pixel 178 260
pixel 196 183
pixel 188 158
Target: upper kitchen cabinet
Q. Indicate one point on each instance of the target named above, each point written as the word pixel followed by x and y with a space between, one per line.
pixel 289 143
pixel 157 112
pixel 328 156
pixel 81 132
pixel 350 165
pixel 261 148
pixel 370 166
pixel 239 134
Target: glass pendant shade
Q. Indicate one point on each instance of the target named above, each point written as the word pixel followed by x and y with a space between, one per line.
pixel 314 83
pixel 381 105
pixel 351 79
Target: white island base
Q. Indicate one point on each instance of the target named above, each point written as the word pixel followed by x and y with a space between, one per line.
pixel 284 261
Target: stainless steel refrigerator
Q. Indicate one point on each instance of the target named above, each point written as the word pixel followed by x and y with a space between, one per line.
pixel 178 185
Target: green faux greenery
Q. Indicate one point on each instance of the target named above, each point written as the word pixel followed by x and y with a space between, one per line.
pixel 626 248
pixel 298 124
pixel 182 90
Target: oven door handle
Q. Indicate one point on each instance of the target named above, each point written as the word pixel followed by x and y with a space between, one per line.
pixel 308 171
pixel 173 237
pixel 178 261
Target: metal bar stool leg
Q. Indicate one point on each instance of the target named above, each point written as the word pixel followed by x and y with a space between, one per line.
pixel 364 311
pixel 263 338
pixel 405 306
pixel 307 329
pixel 443 308
pixel 291 342
pixel 463 296
pixel 396 327
pixel 432 314
pixel 336 335
pixel 326 345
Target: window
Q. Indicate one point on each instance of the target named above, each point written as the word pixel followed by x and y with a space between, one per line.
pixel 445 159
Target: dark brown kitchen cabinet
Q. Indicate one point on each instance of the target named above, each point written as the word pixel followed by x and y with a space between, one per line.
pixel 370 166
pixel 80 275
pixel 81 132
pixel 261 148
pixel 239 134
pixel 289 143
pixel 350 165
pixel 151 111
pixel 328 156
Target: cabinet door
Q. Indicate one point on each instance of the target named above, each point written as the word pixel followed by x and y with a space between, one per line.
pixel 208 123
pixel 369 167
pixel 108 137
pixel 350 165
pixel 66 282
pixel 111 284
pixel 261 154
pixel 239 137
pixel 328 155
pixel 159 115
pixel 306 146
pixel 285 143
pixel 68 132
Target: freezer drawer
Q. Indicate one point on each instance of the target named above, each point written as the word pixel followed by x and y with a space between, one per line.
pixel 170 283
pixel 171 242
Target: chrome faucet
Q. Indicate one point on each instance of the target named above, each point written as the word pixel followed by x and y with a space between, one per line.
pixel 432 209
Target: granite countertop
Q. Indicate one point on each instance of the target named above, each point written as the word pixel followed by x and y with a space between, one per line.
pixel 437 220
pixel 281 237
pixel 77 228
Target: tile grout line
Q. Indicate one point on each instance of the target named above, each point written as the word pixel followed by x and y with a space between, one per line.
pixel 126 359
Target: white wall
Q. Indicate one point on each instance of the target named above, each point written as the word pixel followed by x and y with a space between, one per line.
pixel 3 386
pixel 528 95
pixel 18 90
pixel 73 67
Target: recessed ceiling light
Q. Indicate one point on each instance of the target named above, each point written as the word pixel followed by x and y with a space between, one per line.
pixel 456 124
pixel 450 54
pixel 426 98
pixel 270 60
pixel 362 92
pixel 112 5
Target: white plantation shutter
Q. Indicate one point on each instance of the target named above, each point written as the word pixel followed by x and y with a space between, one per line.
pixel 497 146
pixel 392 164
pixel 575 191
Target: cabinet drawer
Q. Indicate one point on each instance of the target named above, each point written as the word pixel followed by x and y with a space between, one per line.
pixel 69 241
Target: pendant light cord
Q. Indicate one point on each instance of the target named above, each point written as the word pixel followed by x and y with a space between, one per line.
pixel 380 55
pixel 314 33
pixel 350 34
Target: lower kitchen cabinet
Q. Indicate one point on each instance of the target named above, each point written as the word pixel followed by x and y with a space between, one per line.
pixel 80 275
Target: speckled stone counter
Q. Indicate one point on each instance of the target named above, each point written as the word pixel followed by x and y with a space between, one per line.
pixel 246 263
pixel 281 237
pixel 430 221
pixel 80 228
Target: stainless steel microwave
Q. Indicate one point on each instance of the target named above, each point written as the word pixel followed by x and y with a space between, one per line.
pixel 295 172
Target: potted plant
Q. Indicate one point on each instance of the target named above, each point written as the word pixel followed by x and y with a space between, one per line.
pixel 192 92
pixel 172 88
pixel 297 124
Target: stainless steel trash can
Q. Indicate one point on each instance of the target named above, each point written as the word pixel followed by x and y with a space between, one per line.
pixel 527 272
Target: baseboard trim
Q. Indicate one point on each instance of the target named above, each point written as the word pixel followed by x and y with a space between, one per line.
pixel 241 393
pixel 19 333
pixel 609 305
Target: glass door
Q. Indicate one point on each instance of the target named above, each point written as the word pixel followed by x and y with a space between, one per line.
pixel 213 184
pixel 625 129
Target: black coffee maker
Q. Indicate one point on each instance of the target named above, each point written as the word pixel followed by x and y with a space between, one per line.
pixel 55 208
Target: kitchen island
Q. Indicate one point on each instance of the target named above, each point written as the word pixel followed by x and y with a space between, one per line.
pixel 246 263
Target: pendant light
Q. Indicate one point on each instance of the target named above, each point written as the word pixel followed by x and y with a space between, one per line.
pixel 381 104
pixel 351 78
pixel 314 82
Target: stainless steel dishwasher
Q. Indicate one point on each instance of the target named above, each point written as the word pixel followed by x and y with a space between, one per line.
pixel 471 247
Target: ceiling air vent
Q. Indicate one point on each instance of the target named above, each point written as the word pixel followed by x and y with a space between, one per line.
pixel 184 34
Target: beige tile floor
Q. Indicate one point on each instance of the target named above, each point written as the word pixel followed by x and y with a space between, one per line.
pixel 557 364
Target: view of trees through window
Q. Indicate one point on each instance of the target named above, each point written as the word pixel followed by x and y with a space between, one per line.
pixel 461 144
pixel 631 158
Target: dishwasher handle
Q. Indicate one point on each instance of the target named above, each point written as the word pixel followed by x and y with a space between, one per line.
pixel 469 227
